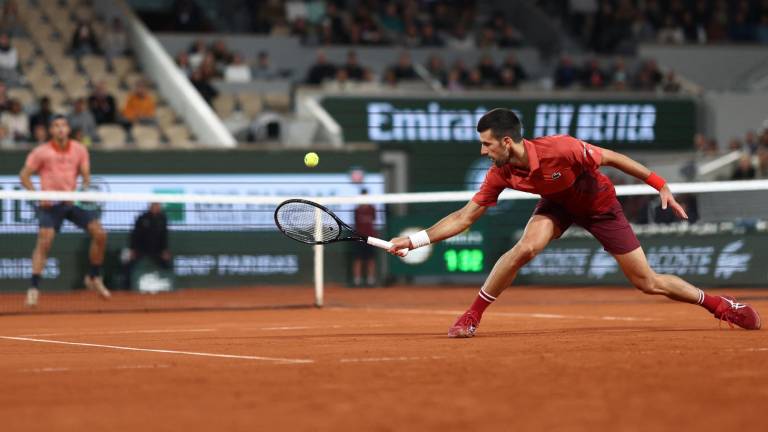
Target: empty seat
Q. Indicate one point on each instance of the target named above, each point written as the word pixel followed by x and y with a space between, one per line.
pixel 146 137
pixel 165 116
pixel 224 105
pixel 24 95
pixel 250 103
pixel 178 135
pixel 94 65
pixel 111 136
pixel 280 102
pixel 122 65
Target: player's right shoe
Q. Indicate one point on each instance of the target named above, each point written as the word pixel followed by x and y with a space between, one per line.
pixel 32 296
pixel 97 284
pixel 465 326
pixel 743 315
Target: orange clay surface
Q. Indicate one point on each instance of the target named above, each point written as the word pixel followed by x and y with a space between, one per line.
pixel 544 359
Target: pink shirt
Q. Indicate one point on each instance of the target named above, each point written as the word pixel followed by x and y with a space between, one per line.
pixel 58 168
pixel 562 168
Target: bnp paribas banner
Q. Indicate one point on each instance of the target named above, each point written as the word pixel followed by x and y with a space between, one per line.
pixel 711 260
pixel 637 123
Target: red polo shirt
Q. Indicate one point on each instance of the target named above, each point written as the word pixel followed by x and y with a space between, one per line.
pixel 563 169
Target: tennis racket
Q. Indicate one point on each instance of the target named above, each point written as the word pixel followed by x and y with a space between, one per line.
pixel 311 223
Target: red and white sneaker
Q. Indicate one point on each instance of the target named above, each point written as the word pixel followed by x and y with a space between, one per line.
pixel 97 284
pixel 465 326
pixel 743 315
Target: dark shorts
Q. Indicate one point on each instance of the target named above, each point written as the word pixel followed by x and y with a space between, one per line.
pixel 610 228
pixel 54 216
pixel 362 251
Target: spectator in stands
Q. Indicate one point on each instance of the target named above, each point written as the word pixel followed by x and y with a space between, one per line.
pixel 671 32
pixel 82 119
pixel 751 143
pixel 454 81
pixel 197 52
pixel 566 73
pixel 671 84
pixel 510 37
pixel 6 139
pixel 4 99
pixel 140 105
pixel 352 67
pixel 474 79
pixel 507 79
pixel 40 134
pixel 10 21
pixel 102 105
pixel 221 54
pixel 436 69
pixel 649 77
pixel 203 85
pixel 149 239
pixel 44 114
pixel 390 21
pixel 487 39
pixel 84 41
pixel 116 40
pixel 9 60
pixel 488 72
pixel 187 16
pixel 429 37
pixel 744 169
pixel 321 70
pixel 619 75
pixel 16 122
pixel 389 79
pixel 411 38
pixel 592 76
pixel 264 69
pixel 209 68
pixel 334 23
pixel 182 61
pixel 511 62
pixel 460 39
pixel 761 31
pixel 237 70
pixel 403 69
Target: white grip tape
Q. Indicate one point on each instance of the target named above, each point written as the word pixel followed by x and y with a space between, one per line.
pixel 419 239
pixel 379 243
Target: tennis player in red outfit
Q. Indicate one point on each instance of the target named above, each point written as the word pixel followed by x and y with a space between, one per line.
pixel 565 172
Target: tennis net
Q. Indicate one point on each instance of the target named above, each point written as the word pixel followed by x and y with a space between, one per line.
pixel 227 253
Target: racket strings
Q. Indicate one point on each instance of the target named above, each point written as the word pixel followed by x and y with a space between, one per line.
pixel 307 223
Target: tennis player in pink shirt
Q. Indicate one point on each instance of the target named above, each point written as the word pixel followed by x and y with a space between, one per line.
pixel 564 171
pixel 58 163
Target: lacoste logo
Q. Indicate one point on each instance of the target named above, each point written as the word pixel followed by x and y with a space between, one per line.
pixel 556 175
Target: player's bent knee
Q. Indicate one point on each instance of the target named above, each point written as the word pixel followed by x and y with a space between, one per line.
pixel 647 284
pixel 524 252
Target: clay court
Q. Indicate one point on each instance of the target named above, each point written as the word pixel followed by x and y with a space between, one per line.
pixel 580 359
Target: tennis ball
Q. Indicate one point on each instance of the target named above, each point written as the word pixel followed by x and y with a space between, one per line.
pixel 311 159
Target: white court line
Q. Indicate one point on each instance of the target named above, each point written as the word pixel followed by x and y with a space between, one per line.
pixel 191 353
pixel 64 369
pixel 504 314
pixel 119 332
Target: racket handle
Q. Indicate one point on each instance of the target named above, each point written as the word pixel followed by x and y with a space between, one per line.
pixel 379 243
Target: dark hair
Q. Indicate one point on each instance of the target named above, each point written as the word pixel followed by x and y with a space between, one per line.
pixel 502 122
pixel 56 117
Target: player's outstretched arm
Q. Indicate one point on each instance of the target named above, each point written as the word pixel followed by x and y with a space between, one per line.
pixel 448 226
pixel 636 169
pixel 26 178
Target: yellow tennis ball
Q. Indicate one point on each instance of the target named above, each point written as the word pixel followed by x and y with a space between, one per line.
pixel 311 159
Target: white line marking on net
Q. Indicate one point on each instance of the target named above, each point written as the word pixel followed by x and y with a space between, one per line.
pixel 191 353
pixel 506 314
pixel 119 332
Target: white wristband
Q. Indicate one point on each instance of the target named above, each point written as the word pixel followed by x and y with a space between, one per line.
pixel 419 239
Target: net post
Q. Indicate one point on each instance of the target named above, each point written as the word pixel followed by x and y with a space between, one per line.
pixel 319 288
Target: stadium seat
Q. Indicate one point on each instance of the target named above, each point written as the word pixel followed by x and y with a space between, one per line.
pixel 280 102
pixel 165 116
pixel 251 103
pixel 224 105
pixel 178 135
pixel 24 95
pixel 146 137
pixel 122 65
pixel 111 136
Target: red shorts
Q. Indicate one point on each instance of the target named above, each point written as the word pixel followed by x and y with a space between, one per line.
pixel 611 228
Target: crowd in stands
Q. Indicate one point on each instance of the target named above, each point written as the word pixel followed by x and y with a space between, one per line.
pixel 591 75
pixel 610 26
pixel 24 121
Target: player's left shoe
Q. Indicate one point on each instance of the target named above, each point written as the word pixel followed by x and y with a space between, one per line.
pixel 97 284
pixel 740 314
pixel 465 326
